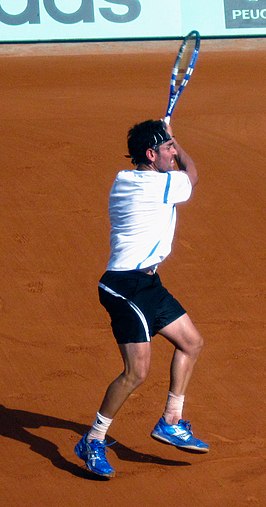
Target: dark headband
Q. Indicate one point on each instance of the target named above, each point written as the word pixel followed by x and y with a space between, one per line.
pixel 159 138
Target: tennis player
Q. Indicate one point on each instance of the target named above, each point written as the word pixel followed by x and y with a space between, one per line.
pixel 142 212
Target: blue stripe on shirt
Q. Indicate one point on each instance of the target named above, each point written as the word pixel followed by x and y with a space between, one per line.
pixel 167 186
pixel 150 254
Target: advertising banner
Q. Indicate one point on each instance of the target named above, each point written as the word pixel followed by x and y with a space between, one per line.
pixel 224 18
pixel 245 13
pixel 55 20
pixel 88 19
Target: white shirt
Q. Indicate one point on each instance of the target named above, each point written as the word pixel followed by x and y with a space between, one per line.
pixel 143 216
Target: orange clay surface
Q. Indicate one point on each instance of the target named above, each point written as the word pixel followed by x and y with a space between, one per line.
pixel 65 111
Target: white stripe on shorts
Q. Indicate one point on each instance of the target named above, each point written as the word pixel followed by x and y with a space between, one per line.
pixel 133 306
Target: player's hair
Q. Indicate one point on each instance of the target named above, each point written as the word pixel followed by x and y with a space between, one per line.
pixel 148 134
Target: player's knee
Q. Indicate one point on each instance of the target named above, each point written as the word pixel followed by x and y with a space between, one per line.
pixel 197 343
pixel 138 375
pixel 192 344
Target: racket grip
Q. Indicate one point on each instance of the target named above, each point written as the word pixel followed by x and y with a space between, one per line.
pixel 167 120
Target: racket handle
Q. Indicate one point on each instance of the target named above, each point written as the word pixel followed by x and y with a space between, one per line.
pixel 167 120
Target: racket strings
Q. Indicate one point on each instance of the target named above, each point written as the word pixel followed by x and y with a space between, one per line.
pixel 183 68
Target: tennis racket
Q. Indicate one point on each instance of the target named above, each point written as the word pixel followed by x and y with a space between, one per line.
pixel 182 70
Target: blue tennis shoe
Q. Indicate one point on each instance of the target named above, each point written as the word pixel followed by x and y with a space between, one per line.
pixel 180 435
pixel 93 453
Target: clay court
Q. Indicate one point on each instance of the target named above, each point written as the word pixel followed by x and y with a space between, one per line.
pixel 65 110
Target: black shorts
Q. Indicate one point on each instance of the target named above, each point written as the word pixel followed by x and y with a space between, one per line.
pixel 138 304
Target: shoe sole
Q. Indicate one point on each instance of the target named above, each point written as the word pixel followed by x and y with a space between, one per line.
pixel 182 447
pixel 108 476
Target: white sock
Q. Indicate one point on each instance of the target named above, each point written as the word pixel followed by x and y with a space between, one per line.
pixel 174 408
pixel 99 428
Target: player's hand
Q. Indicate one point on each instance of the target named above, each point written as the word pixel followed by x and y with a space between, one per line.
pixel 168 128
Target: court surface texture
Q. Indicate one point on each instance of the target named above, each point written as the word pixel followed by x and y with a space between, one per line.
pixel 65 111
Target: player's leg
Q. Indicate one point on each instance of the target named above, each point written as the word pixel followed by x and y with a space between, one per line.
pixel 136 358
pixel 92 447
pixel 188 343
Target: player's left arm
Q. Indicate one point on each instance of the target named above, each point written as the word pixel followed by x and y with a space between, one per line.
pixel 183 160
pixel 185 163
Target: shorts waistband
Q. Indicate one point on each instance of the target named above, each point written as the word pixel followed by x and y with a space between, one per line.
pixel 150 270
